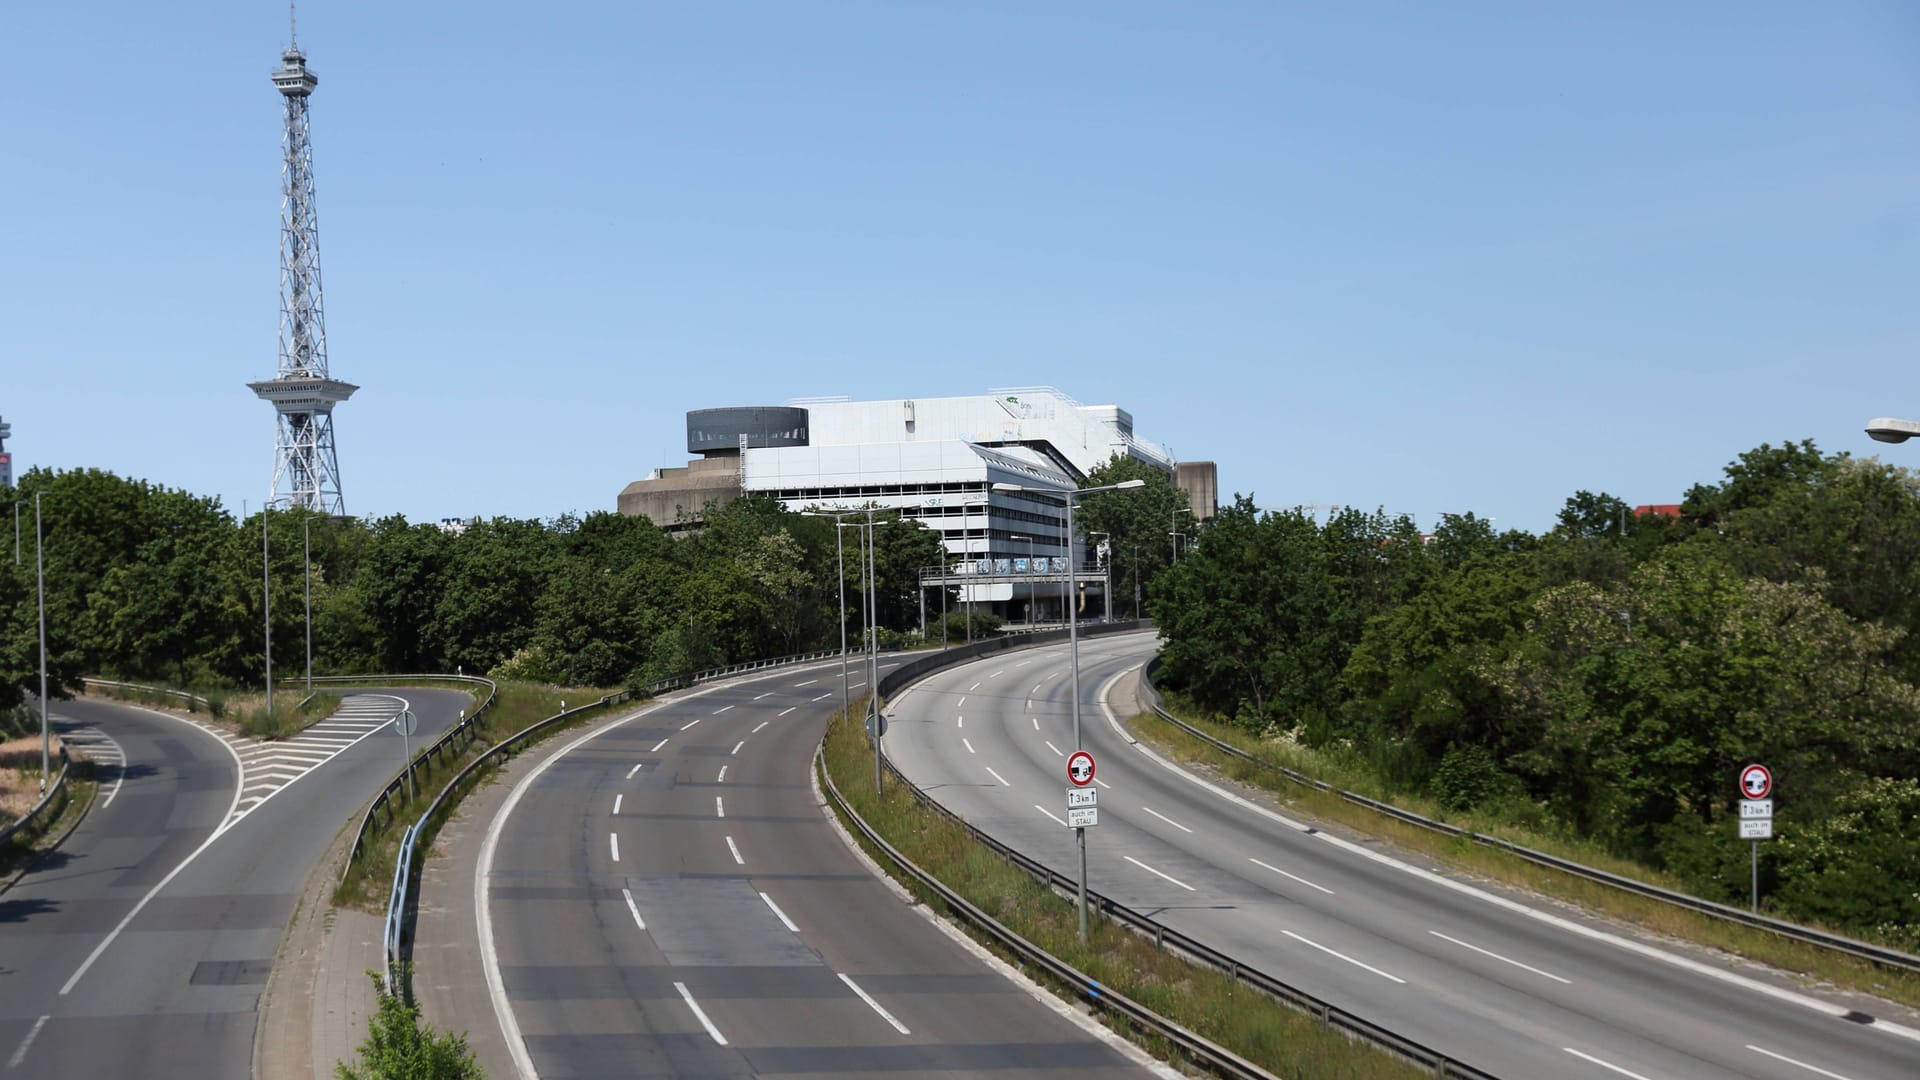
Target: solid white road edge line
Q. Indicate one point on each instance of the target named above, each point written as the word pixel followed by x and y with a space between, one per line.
pixel 483 911
pixel 631 906
pixel 868 998
pixel 1791 1061
pixel 1151 870
pixel 1295 877
pixel 1343 956
pixel 1602 1064
pixel 218 831
pixel 1497 956
pixel 700 1013
pixel 1567 925
pixel 780 914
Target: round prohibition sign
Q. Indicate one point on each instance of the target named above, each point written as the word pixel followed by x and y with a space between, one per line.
pixel 1755 782
pixel 1080 768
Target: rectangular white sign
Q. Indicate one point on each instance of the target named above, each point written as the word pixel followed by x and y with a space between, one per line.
pixel 1761 829
pixel 1082 796
pixel 1754 809
pixel 1081 817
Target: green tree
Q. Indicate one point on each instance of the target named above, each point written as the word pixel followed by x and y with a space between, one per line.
pixel 1138 522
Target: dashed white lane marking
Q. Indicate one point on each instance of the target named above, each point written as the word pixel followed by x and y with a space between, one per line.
pixel 1103 783
pixel 657 746
pixel 722 778
pixel 613 844
pixel 631 906
pixel 617 796
pixel 735 848
pixel 1055 749
pixel 719 806
pixel 700 1014
pixel 809 682
pixel 1023 663
pixel 781 914
pixel 1295 877
pixel 962 701
pixel 1791 1061
pixel 756 730
pixel 868 998
pixel 824 696
pixel 997 674
pixel 968 743
pixel 1050 814
pixel 1151 870
pixel 787 710
pixel 757 697
pixel 1602 1064
pixel 1166 819
pixel 689 724
pixel 736 747
pixel 1003 780
pixel 20 1055
pixel 631 771
pixel 721 709
pixel 1036 723
pixel 1344 956
pixel 959 721
pixel 1496 956
pixel 851 685
pixel 972 688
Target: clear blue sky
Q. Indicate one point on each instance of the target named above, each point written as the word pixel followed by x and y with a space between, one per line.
pixel 1429 257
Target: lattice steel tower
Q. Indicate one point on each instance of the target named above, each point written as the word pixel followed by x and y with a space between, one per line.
pixel 306 471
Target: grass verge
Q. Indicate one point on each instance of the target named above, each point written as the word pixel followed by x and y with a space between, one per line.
pixel 517 706
pixel 1808 961
pixel 76 795
pixel 1278 1038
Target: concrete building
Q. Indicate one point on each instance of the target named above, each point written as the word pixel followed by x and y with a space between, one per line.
pixel 933 459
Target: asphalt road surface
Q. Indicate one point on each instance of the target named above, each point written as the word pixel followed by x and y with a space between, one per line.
pixel 140 947
pixel 1516 990
pixel 665 898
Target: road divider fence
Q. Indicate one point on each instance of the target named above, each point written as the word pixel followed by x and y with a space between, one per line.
pixel 49 799
pixel 1878 954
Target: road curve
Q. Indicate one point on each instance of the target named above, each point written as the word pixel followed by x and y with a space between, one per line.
pixel 665 898
pixel 140 948
pixel 1477 975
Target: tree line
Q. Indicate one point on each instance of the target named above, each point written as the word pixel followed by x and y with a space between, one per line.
pixel 1605 680
pixel 149 583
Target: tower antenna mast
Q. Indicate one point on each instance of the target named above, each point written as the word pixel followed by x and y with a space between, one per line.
pixel 306 469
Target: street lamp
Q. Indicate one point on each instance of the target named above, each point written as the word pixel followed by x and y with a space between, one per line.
pixel 1175 525
pixel 967 533
pixel 40 578
pixel 1029 541
pixel 1891 429
pixel 16 530
pixel 840 560
pixel 1073 644
pixel 870 617
pixel 306 551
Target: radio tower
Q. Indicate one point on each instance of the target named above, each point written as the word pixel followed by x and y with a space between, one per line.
pixel 306 472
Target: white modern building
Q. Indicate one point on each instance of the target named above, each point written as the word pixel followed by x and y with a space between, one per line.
pixel 933 459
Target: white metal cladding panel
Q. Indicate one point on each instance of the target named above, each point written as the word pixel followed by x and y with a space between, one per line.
pixel 1087 435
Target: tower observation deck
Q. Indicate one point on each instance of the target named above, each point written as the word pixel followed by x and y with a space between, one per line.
pixel 306 469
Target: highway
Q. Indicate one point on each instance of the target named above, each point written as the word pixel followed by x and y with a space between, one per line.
pixel 140 947
pixel 1515 989
pixel 663 897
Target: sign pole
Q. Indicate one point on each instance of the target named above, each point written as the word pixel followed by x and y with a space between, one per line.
pixel 1081 835
pixel 1756 877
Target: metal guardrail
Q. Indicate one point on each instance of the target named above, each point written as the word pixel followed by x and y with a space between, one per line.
pixel 191 699
pixel 53 792
pixel 1878 954
pixel 1217 1057
pixel 1164 936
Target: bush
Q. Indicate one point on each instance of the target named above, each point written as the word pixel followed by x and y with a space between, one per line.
pixel 985 624
pixel 399 1047
pixel 1467 777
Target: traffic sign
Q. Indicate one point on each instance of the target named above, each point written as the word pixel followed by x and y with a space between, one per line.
pixel 1755 782
pixel 1756 829
pixel 1080 768
pixel 1755 809
pixel 1078 796
pixel 1081 817
pixel 406 723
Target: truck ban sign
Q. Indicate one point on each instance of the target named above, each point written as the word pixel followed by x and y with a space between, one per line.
pixel 1755 782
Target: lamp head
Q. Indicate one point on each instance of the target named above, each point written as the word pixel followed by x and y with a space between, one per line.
pixel 1890 429
pixel 1133 483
